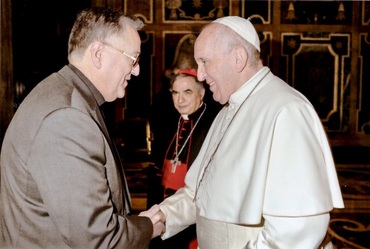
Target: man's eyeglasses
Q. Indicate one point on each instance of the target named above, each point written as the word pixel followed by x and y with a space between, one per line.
pixel 135 60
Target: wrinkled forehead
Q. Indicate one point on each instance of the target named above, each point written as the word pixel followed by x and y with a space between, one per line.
pixel 208 39
pixel 208 33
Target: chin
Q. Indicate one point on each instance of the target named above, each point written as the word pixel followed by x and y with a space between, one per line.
pixel 121 94
pixel 216 98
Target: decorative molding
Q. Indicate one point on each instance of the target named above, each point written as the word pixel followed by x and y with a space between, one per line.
pixel 266 44
pixel 257 11
pixel 318 67
pixel 194 11
pixel 363 114
pixel 316 12
pixel 171 41
pixel 140 8
pixel 365 14
pixel 140 87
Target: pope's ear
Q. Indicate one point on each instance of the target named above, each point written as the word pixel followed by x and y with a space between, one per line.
pixel 241 58
pixel 96 53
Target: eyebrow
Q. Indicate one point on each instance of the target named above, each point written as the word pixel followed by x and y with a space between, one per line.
pixel 187 90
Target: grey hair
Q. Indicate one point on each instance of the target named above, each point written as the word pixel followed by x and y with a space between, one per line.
pixel 98 24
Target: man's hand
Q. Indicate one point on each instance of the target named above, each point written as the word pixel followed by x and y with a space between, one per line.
pixel 158 219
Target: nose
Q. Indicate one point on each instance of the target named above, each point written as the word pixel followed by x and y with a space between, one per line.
pixel 135 70
pixel 201 74
pixel 180 98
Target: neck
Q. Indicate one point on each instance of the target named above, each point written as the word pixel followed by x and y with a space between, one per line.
pixel 195 114
pixel 249 72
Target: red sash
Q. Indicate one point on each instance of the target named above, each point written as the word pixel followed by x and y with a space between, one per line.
pixel 173 180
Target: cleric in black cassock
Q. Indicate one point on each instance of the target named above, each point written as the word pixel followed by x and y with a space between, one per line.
pixel 196 116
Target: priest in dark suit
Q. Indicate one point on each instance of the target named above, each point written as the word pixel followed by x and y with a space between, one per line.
pixel 62 183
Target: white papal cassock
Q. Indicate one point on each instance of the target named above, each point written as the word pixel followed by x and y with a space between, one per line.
pixel 262 171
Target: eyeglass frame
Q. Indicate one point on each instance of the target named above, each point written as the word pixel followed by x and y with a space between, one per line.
pixel 135 60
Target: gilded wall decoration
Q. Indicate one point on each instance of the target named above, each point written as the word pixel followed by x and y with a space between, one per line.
pixel 179 49
pixel 365 13
pixel 316 12
pixel 139 87
pixel 140 8
pixel 266 43
pixel 195 10
pixel 258 11
pixel 295 41
pixel 319 68
pixel 184 53
pixel 364 85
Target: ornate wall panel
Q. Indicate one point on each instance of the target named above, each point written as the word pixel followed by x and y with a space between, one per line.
pixel 196 10
pixel 319 68
pixel 364 85
pixel 139 88
pixel 266 39
pixel 140 8
pixel 6 68
pixel 314 45
pixel 258 11
pixel 365 13
pixel 179 49
pixel 316 12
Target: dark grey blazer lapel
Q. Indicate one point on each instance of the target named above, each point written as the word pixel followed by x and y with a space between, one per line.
pixel 97 115
pixel 113 147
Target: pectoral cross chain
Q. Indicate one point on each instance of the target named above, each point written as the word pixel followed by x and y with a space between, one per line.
pixel 174 163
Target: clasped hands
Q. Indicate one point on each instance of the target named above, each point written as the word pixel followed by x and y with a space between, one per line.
pixel 158 219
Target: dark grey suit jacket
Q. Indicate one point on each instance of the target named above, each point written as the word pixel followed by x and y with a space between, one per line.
pixel 61 186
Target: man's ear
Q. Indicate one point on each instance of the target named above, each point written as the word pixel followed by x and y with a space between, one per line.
pixel 241 58
pixel 203 92
pixel 96 53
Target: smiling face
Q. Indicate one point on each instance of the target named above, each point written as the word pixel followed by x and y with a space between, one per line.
pixel 215 63
pixel 187 94
pixel 118 66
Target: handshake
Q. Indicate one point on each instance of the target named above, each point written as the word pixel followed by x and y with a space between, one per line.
pixel 158 219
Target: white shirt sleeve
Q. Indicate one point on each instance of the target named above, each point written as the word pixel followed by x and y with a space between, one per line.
pixel 179 210
pixel 291 232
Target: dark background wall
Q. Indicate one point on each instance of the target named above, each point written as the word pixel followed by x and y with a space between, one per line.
pixel 322 48
pixel 40 35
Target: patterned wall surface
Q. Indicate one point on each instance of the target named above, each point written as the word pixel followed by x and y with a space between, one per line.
pixel 318 66
pixel 363 123
pixel 316 12
pixel 196 10
pixel 319 47
pixel 322 48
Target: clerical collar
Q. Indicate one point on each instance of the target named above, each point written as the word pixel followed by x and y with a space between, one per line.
pixel 195 114
pixel 239 95
pixel 95 92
